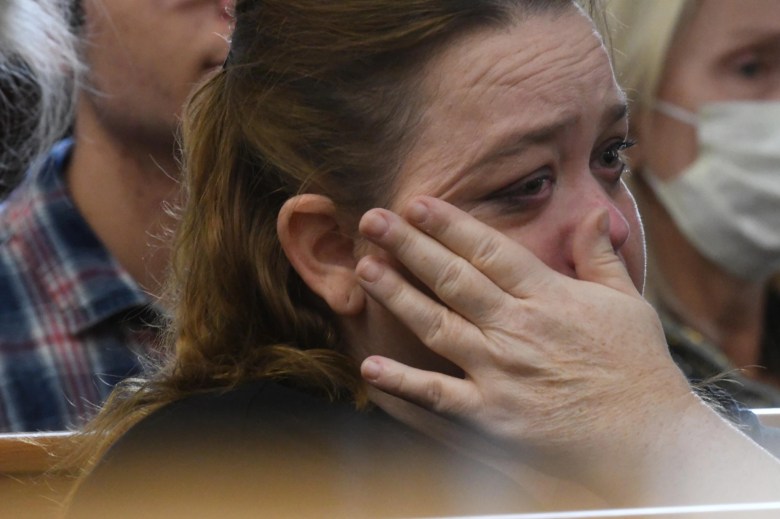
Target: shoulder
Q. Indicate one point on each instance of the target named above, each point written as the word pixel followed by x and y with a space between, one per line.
pixel 42 181
pixel 259 412
pixel 56 277
pixel 32 215
pixel 278 451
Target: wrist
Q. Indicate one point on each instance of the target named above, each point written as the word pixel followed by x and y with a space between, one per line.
pixel 686 456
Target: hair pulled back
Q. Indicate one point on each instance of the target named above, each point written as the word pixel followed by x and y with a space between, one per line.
pixel 317 97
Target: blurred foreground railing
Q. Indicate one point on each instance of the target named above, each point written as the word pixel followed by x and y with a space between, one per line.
pixel 769 417
pixel 30 487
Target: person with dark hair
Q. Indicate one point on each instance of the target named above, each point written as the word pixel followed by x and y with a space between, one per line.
pixel 81 253
pixel 406 282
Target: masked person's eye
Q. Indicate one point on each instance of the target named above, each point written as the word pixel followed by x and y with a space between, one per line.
pixel 750 69
pixel 750 66
pixel 753 65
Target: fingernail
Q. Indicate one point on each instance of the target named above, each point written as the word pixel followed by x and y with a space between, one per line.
pixel 370 369
pixel 603 223
pixel 369 270
pixel 417 212
pixel 374 225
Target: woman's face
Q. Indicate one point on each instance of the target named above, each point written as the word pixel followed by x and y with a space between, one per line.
pixel 521 128
pixel 727 51
pixel 523 132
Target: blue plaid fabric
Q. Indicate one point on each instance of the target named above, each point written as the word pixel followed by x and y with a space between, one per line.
pixel 72 320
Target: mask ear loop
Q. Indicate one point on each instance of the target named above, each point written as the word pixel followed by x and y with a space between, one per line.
pixel 677 113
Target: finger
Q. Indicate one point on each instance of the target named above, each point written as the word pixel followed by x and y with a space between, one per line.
pixel 595 258
pixel 456 282
pixel 509 265
pixel 442 394
pixel 442 330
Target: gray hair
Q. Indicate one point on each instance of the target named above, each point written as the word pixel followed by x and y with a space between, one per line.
pixel 38 69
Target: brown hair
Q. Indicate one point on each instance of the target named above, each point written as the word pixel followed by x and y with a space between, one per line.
pixel 314 97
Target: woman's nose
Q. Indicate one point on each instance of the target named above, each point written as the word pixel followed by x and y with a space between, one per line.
pixel 598 197
pixel 619 229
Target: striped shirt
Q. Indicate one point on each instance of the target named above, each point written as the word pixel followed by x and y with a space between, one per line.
pixel 72 320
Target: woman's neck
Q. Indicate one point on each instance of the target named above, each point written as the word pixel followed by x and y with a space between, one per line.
pixel 727 310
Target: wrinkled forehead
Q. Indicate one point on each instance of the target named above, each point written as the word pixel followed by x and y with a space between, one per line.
pixel 545 61
pixel 510 84
pixel 539 44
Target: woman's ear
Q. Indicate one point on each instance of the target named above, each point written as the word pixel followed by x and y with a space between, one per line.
pixel 321 250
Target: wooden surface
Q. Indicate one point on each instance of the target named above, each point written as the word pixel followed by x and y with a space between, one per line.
pixel 29 453
pixel 29 488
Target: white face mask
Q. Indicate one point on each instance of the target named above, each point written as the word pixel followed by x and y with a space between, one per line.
pixel 727 203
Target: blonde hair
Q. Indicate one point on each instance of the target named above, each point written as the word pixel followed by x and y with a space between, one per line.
pixel 641 33
pixel 38 69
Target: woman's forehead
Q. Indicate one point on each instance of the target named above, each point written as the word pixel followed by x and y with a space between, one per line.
pixel 516 51
pixel 511 85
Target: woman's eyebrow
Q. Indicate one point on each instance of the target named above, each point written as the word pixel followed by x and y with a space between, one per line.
pixel 615 113
pixel 514 143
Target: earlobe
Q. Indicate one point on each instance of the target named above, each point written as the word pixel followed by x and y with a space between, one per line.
pixel 321 250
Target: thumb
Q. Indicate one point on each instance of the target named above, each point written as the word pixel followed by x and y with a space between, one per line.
pixel 594 257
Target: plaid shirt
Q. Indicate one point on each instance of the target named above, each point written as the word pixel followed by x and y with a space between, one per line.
pixel 72 320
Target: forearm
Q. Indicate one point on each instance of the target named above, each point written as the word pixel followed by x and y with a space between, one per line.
pixel 571 377
pixel 695 457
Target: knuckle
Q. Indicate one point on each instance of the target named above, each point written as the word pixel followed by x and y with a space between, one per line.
pixel 437 329
pixel 497 310
pixel 434 396
pixel 486 250
pixel 449 281
pixel 500 353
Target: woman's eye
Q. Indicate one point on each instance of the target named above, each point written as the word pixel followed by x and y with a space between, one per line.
pixel 532 187
pixel 527 192
pixel 611 158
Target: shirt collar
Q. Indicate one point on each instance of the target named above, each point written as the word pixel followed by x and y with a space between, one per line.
pixel 79 274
